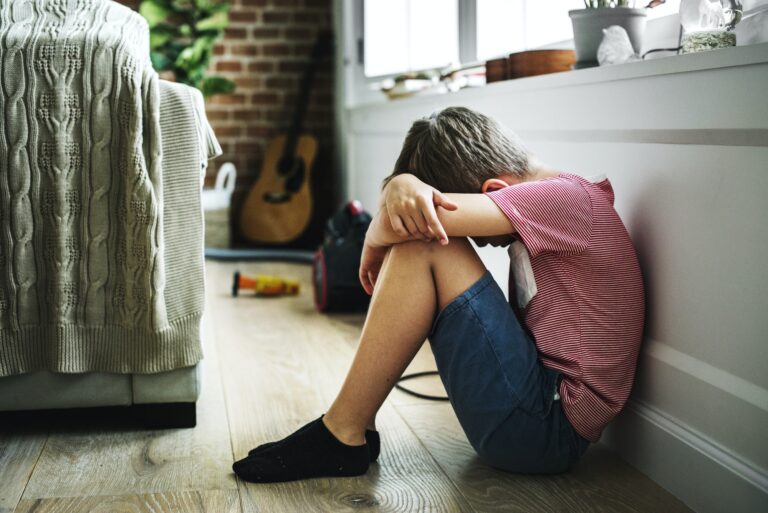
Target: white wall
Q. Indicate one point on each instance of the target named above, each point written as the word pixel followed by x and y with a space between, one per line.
pixel 685 142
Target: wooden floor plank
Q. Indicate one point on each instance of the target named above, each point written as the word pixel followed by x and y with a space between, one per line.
pixel 600 482
pixel 212 501
pixel 19 453
pixel 272 365
pixel 104 459
pixel 283 364
pixel 430 385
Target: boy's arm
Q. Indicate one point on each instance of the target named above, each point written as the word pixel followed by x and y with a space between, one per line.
pixel 420 211
pixel 476 216
pixel 379 237
pixel 411 206
pixel 380 232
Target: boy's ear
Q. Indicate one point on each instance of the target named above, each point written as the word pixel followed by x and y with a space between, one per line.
pixel 493 184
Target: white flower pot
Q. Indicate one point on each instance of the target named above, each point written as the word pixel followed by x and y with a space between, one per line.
pixel 588 25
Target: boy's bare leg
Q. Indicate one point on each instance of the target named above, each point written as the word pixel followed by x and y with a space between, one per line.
pixel 416 281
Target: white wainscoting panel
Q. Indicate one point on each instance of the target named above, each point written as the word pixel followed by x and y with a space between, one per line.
pixel 685 142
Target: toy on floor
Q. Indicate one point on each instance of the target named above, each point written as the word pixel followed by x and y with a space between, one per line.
pixel 264 285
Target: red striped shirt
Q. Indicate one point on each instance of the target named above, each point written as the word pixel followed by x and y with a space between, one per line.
pixel 587 316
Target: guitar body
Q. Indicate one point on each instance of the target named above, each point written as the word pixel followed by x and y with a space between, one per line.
pixel 278 207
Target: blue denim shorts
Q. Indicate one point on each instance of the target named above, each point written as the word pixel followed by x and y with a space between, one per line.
pixel 504 398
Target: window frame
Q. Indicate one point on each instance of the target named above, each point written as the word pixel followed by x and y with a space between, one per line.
pixel 467 31
pixel 359 89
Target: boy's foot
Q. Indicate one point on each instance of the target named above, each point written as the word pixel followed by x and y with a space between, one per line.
pixel 372 438
pixel 312 451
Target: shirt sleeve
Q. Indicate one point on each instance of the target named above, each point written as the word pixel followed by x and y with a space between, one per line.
pixel 553 215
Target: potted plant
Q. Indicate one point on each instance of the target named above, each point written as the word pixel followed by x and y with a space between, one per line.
pixel 182 34
pixel 588 25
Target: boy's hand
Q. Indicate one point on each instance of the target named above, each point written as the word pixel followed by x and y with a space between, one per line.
pixel 411 205
pixel 378 239
pixel 370 265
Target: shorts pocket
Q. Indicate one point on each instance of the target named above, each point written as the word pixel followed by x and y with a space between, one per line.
pixel 542 404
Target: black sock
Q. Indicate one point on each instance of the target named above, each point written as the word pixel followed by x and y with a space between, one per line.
pixel 371 437
pixel 312 451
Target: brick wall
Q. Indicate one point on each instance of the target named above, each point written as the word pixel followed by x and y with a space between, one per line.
pixel 264 52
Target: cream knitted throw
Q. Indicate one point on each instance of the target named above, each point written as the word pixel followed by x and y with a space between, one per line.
pixel 82 269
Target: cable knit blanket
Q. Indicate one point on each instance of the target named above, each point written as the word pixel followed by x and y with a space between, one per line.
pixel 82 268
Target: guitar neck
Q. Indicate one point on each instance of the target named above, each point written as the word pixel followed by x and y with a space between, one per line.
pixel 294 131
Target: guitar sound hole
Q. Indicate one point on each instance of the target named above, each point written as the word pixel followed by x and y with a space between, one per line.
pixel 288 164
pixel 291 169
pixel 293 183
pixel 277 197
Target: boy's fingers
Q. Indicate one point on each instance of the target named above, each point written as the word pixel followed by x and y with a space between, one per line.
pixel 397 225
pixel 413 230
pixel 442 200
pixel 364 281
pixel 423 206
pixel 423 226
pixel 372 281
pixel 435 226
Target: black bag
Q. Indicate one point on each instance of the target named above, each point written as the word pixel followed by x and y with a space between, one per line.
pixel 337 262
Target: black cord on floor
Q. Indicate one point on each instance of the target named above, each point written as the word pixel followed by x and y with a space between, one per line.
pixel 418 394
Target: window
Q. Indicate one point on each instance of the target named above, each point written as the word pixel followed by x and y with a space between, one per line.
pixel 409 35
pixel 500 27
pixel 507 26
pixel 413 35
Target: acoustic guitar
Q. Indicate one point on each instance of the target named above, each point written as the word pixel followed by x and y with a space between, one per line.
pixel 279 206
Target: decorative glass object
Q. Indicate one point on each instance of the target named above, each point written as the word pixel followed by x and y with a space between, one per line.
pixel 708 24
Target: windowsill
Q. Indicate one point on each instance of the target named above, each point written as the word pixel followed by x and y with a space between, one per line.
pixel 715 59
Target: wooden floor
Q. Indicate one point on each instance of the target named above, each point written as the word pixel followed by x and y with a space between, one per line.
pixel 270 366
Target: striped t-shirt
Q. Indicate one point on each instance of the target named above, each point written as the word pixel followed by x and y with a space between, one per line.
pixel 587 316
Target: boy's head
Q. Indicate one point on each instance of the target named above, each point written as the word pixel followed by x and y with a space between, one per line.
pixel 458 150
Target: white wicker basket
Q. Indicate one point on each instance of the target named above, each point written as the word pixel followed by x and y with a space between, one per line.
pixel 216 207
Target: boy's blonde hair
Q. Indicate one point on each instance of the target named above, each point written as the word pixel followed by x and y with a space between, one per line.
pixel 457 149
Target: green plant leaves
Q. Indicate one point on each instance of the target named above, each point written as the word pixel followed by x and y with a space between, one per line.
pixel 182 36
pixel 158 37
pixel 183 5
pixel 160 61
pixel 154 11
pixel 196 55
pixel 218 21
pixel 216 85
pixel 210 5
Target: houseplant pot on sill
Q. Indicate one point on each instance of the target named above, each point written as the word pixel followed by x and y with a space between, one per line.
pixel 588 25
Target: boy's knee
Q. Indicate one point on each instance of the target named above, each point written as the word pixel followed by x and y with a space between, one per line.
pixel 433 249
pixel 413 249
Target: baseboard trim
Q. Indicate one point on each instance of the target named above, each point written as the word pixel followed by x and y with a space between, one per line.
pixel 740 388
pixel 692 466
pixel 704 444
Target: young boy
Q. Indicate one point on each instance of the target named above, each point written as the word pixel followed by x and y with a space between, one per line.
pixel 532 381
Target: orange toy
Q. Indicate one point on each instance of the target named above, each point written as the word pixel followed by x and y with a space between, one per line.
pixel 264 285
